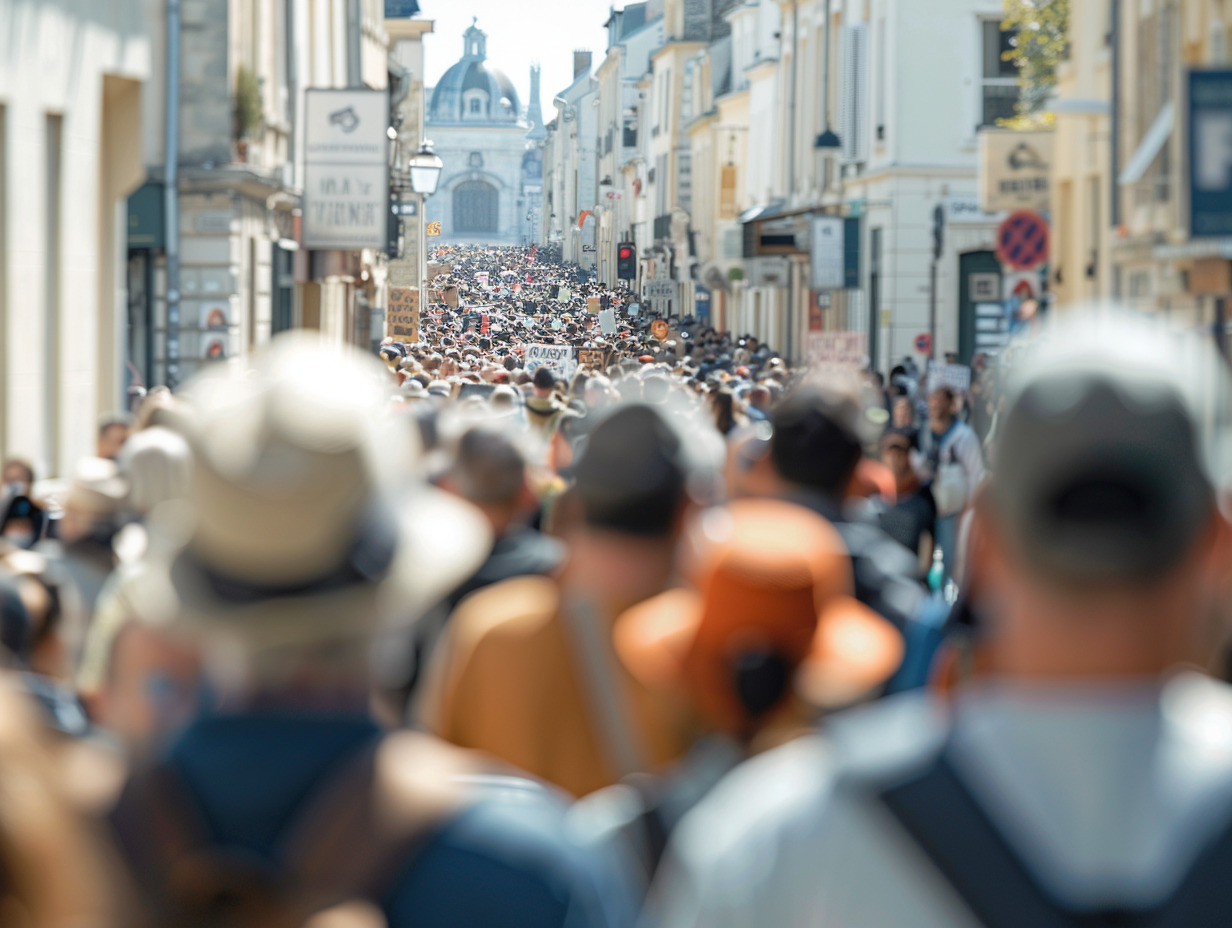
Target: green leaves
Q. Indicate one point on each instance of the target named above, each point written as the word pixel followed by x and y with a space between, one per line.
pixel 1041 42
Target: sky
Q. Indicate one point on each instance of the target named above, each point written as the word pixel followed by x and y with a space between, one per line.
pixel 520 33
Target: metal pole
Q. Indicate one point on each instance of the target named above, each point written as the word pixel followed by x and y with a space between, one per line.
pixel 932 309
pixel 171 195
pixel 355 44
pixel 423 256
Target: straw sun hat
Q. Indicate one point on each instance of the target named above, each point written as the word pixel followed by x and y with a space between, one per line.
pixel 302 526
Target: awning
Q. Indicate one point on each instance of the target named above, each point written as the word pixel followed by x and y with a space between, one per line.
pixel 762 211
pixel 1152 142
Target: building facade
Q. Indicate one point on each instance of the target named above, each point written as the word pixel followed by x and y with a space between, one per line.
pixel 490 182
pixel 71 88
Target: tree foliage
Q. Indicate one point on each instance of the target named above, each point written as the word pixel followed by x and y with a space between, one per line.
pixel 1040 43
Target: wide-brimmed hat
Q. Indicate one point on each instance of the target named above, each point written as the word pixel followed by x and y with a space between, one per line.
pixel 303 527
pixel 773 590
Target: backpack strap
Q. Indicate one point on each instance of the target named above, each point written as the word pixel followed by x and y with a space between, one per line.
pixel 363 830
pixel 944 820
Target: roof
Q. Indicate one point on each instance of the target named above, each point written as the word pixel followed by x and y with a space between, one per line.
pixel 472 72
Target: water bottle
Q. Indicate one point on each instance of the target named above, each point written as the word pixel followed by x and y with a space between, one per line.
pixel 936 573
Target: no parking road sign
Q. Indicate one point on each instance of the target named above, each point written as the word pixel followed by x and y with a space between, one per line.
pixel 1022 240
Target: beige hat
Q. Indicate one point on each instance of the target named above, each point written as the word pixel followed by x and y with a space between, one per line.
pixel 303 527
pixel 97 487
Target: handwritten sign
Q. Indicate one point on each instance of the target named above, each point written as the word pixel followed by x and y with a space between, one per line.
pixel 402 314
pixel 838 349
pixel 593 359
pixel 561 360
pixel 434 228
pixel 956 376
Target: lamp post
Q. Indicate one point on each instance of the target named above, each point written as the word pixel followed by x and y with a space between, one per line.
pixel 424 168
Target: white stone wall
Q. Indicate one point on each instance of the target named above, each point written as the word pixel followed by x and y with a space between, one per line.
pixel 61 301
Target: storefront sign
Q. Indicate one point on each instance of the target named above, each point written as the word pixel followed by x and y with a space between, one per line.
pixel 346 189
pixel 1014 169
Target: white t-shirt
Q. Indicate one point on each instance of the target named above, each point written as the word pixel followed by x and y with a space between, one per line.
pixel 1107 794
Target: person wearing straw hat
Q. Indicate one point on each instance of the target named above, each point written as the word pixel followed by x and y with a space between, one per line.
pixel 284 800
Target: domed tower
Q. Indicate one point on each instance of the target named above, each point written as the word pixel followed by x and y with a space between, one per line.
pixel 472 91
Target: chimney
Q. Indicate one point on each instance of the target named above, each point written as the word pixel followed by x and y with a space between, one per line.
pixel 581 63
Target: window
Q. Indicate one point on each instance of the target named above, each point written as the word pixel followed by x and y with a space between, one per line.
pixel 476 208
pixel 476 106
pixel 998 77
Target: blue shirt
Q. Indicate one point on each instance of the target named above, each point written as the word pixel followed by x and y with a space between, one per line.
pixel 504 859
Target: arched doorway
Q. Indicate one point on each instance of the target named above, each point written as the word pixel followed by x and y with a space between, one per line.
pixel 476 208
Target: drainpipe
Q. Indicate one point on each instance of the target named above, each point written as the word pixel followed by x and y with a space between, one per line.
pixel 355 44
pixel 171 195
pixel 1114 134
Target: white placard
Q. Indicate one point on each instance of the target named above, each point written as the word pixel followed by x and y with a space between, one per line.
pixel 607 321
pixel 561 360
pixel 838 349
pixel 957 376
pixel 346 175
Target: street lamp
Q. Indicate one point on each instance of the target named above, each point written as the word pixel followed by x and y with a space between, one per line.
pixel 424 168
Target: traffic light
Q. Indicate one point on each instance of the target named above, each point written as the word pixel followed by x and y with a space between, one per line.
pixel 626 261
pixel 938 231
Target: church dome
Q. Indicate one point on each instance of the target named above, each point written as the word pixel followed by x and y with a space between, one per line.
pixel 474 91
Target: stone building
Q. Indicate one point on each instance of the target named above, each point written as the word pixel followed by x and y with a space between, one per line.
pixel 491 186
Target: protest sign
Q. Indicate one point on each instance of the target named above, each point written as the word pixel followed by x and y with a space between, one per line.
pixel 956 376
pixel 561 360
pixel 838 349
pixel 402 314
pixel 607 321
pixel 593 359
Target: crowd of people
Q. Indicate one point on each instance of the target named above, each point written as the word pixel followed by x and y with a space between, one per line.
pixel 556 618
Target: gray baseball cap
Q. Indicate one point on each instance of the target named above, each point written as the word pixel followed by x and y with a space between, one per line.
pixel 1111 448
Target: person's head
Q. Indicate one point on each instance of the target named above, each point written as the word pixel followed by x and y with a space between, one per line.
pixel 771 625
pixel 632 475
pixel 759 398
pixel 307 536
pixel 896 448
pixel 816 439
pixel 489 471
pixel 112 433
pixel 902 414
pixel 941 408
pixel 94 502
pixel 723 404
pixel 1102 537
pixel 543 382
pixel 17 477
pixel 158 465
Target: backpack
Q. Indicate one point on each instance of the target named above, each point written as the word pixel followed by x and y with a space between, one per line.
pixel 340 854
